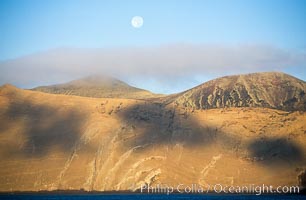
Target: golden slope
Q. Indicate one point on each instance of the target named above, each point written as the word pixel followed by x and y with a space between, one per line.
pixel 52 142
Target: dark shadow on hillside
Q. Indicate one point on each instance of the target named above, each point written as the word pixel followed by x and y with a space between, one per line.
pixel 159 124
pixel 43 128
pixel 147 124
pixel 276 151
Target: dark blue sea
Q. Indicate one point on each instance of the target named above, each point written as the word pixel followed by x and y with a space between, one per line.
pixel 145 197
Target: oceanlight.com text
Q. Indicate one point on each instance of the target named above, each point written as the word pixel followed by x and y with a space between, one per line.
pixel 219 189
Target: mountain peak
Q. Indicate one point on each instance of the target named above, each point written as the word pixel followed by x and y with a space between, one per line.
pixel 98 86
pixel 265 89
pixel 97 80
pixel 8 87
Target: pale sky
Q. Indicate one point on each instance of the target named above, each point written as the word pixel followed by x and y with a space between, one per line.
pixel 181 43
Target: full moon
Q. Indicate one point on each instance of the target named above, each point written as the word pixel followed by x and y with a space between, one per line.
pixel 137 22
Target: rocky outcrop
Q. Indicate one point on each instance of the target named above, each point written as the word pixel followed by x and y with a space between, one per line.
pixel 302 179
pixel 271 90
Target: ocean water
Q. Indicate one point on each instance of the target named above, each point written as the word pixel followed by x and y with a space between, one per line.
pixel 145 197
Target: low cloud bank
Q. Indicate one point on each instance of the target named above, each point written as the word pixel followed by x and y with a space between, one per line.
pixel 168 68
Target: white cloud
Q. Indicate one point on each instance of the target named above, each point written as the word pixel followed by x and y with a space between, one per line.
pixel 168 66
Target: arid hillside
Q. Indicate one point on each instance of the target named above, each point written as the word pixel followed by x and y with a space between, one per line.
pixel 98 87
pixel 269 89
pixel 54 141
